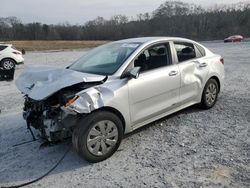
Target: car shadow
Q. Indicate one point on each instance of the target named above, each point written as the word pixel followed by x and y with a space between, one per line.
pixel 192 109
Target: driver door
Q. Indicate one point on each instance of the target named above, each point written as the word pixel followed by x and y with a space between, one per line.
pixel 157 88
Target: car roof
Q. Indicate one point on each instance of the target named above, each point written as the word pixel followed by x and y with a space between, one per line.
pixel 150 39
pixel 237 36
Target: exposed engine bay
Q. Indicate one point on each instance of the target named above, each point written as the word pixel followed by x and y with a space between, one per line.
pixel 52 115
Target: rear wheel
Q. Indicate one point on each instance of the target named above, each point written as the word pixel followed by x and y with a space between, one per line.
pixel 210 94
pixel 7 64
pixel 98 136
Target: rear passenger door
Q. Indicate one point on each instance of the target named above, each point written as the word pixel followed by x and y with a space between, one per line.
pixel 193 68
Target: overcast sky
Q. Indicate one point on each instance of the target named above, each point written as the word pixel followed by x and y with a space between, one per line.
pixel 80 11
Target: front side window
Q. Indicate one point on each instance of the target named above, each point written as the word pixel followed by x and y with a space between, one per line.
pixel 153 57
pixel 106 59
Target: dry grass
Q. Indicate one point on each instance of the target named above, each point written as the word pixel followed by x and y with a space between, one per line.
pixel 39 45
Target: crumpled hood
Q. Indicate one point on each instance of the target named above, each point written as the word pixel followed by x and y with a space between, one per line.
pixel 40 82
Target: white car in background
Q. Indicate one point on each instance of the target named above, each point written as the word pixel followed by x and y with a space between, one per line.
pixel 9 56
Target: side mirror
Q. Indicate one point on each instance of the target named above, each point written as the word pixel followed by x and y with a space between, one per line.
pixel 133 73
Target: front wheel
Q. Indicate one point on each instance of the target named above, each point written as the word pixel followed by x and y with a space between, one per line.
pixel 210 94
pixel 98 136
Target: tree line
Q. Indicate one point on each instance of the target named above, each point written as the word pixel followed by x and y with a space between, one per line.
pixel 172 18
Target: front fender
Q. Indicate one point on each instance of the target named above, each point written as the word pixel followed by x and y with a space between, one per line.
pixel 91 99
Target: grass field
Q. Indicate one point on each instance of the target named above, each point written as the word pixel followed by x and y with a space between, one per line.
pixel 39 45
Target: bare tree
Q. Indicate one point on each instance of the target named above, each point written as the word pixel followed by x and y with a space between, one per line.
pixel 172 18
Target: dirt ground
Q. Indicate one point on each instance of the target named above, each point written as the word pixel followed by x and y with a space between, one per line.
pixel 191 148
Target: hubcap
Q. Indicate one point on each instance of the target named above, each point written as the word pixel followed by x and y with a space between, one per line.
pixel 7 65
pixel 211 93
pixel 102 137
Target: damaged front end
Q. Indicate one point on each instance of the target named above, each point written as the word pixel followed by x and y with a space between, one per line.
pixel 53 115
pixel 49 118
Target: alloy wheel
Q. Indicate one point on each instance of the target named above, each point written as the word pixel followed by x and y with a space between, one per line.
pixel 211 93
pixel 8 64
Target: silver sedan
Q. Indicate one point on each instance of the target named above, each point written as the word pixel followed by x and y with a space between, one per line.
pixel 117 88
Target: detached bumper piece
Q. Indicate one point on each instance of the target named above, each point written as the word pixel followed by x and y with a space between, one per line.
pixel 7 75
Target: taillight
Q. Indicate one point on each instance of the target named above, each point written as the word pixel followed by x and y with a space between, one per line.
pixel 17 53
pixel 222 60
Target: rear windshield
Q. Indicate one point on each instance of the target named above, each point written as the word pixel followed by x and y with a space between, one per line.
pixel 2 47
pixel 14 48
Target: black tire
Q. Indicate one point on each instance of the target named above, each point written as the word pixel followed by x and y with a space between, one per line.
pixel 8 64
pixel 75 138
pixel 82 131
pixel 209 100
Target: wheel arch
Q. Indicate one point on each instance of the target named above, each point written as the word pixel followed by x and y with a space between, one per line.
pixel 116 112
pixel 8 58
pixel 217 80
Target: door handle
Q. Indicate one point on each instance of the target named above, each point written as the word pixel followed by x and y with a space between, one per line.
pixel 203 64
pixel 173 73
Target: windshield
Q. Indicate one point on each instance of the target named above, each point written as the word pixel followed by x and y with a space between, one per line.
pixel 106 59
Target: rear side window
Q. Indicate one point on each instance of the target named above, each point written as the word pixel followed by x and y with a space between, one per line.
pixel 186 51
pixel 200 50
pixel 2 47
